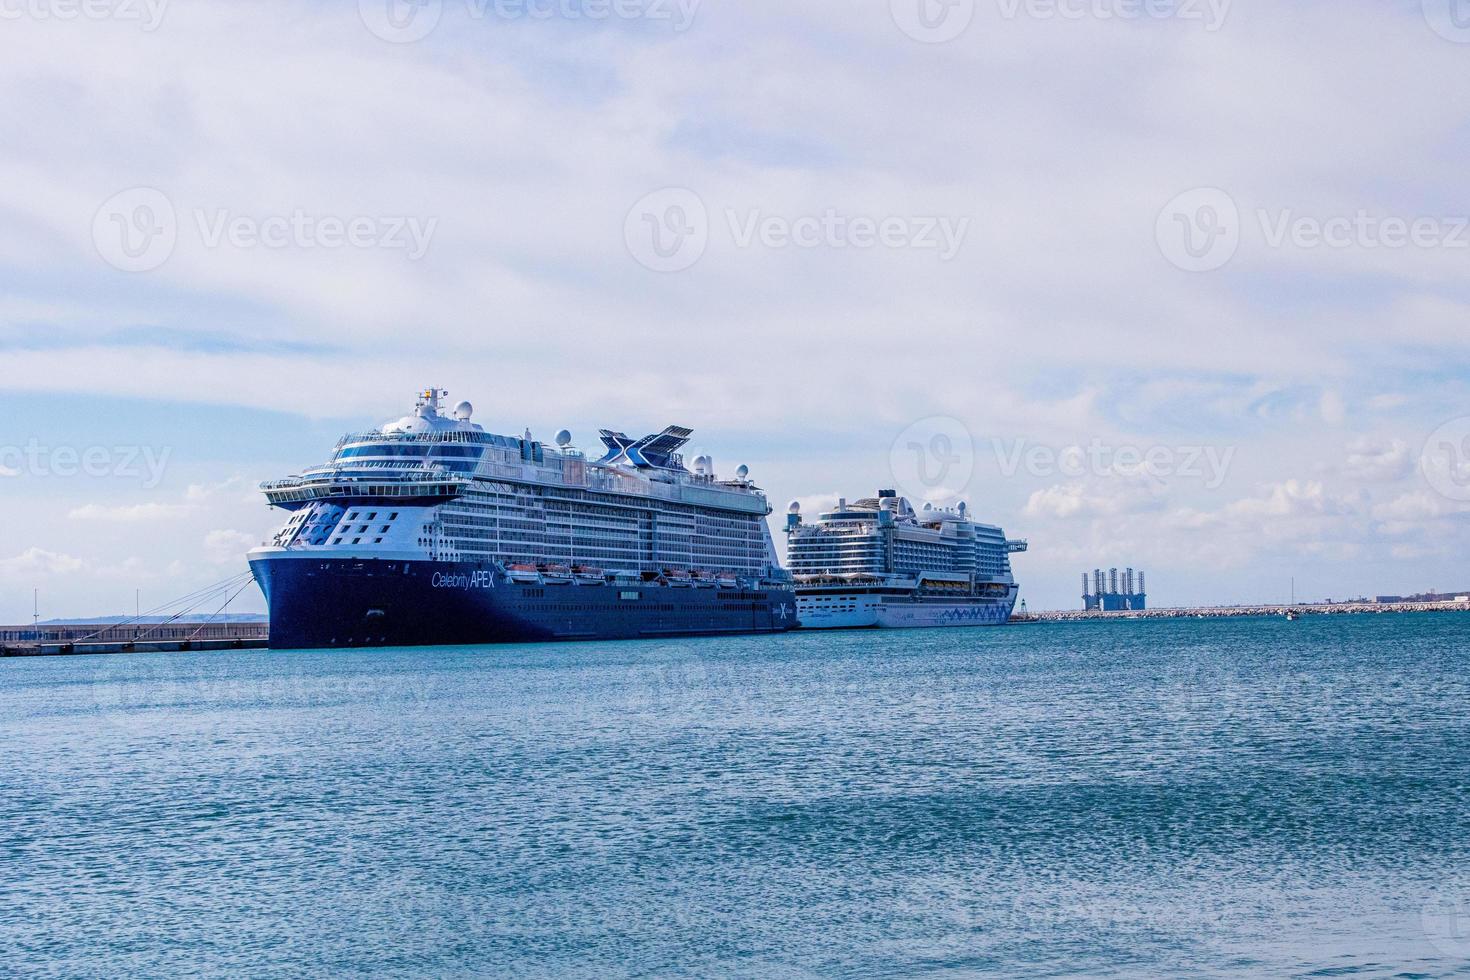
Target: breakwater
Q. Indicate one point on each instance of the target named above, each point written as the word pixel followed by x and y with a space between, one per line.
pixel 1227 612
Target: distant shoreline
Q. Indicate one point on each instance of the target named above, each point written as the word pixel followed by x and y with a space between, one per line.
pixel 1232 612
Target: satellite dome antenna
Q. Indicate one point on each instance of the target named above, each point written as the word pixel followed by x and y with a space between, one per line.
pixel 742 472
pixel 564 438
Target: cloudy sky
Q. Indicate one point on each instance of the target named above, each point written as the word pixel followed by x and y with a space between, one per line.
pixel 1180 286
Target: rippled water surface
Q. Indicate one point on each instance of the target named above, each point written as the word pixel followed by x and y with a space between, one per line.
pixel 1169 798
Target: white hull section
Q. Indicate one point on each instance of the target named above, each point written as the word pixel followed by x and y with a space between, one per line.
pixel 912 615
pixel 858 611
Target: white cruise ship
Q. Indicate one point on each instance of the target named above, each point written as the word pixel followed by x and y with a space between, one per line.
pixel 879 563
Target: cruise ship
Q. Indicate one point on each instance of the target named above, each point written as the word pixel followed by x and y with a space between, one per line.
pixel 877 562
pixel 430 530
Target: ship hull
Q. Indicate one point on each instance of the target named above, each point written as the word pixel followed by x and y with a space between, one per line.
pixel 321 602
pixel 859 610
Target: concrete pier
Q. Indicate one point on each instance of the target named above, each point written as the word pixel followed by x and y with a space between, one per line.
pixel 160 646
pixel 93 638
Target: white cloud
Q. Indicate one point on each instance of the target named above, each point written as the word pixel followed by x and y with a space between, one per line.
pixel 1333 408
pixel 201 493
pixel 1294 498
pixel 40 561
pixel 1416 507
pixel 1388 402
pixel 128 513
pixel 1379 462
pixel 1099 497
pixel 228 546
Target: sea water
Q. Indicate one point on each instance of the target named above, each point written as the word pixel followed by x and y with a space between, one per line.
pixel 1165 798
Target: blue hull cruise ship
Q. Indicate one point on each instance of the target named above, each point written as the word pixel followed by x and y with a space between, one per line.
pixel 431 530
pixel 880 563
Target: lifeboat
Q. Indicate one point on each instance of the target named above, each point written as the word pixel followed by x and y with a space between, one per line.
pixel 727 580
pixel 556 574
pixel 587 575
pixel 523 573
pixel 678 579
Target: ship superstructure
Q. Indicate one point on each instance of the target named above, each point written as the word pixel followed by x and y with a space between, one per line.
pixel 877 562
pixel 432 530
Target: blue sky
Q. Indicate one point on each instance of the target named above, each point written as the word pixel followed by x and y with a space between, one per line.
pixel 508 176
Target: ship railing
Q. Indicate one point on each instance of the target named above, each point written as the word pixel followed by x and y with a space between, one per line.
pixel 451 435
pixel 856 578
pixel 429 485
pixel 335 474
